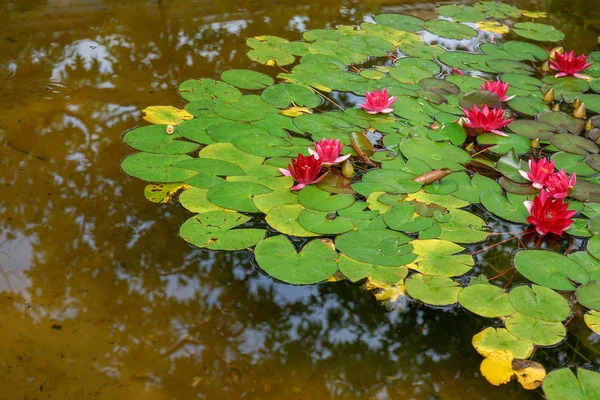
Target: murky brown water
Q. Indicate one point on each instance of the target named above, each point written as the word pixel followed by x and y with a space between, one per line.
pixel 100 299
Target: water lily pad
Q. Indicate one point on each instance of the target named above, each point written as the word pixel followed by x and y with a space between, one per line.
pixel 194 200
pixel 540 332
pixel 539 32
pixel 450 30
pixel 499 205
pixel 486 300
pixel 574 144
pixel 589 263
pixel 208 170
pixel 434 290
pixel 532 129
pixel 522 82
pixel 154 139
pixel 589 295
pixel 472 188
pixel 498 10
pixel 319 200
pixel 246 79
pixel 525 51
pixel 562 122
pixel 550 269
pixel 165 115
pixel 206 89
pixel 277 198
pixel 586 191
pixel 157 167
pixel 282 95
pixel 377 246
pixel 592 320
pixel 214 230
pixel 498 339
pixel 440 258
pixel 437 155
pixel 325 223
pixel 285 220
pixel 503 144
pixel 528 105
pixel 539 302
pixel 268 50
pixel 464 227
pixel 403 22
pixel 572 163
pixel 591 101
pixel 236 195
pixel 314 263
pixel 562 384
pixel 402 218
pixel 481 98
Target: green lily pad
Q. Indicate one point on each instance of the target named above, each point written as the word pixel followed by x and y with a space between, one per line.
pixel 208 170
pixel 540 332
pixel 539 302
pixel 440 258
pixel 562 122
pixel 589 263
pixel 157 167
pixel 525 51
pixel 574 144
pixel 194 200
pixel 572 163
pixel 498 10
pixel 486 300
pixel 472 188
pixel 403 22
pixel 267 49
pixel 228 152
pixel 284 219
pixel 246 79
pixel 450 30
pixel 313 264
pixel 481 98
pixel 532 129
pixel 434 290
pixel 319 200
pixel 283 95
pixel 562 384
pixel 589 295
pixel 591 101
pixel 537 31
pixel 499 339
pixel 377 246
pixel 528 105
pixel 206 89
pixel 503 144
pixel 214 230
pixel 325 223
pixel 464 227
pixel 268 201
pixel 437 155
pixel 523 82
pixel 499 205
pixel 236 195
pixel 586 191
pixel 550 269
pixel 154 139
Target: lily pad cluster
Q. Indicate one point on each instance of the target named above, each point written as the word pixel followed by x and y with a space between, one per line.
pixel 419 185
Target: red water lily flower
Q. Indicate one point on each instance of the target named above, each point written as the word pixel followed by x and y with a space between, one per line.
pixel 567 64
pixel 559 185
pixel 549 215
pixel 304 170
pixel 378 102
pixel 328 151
pixel 539 172
pixel 486 120
pixel 498 87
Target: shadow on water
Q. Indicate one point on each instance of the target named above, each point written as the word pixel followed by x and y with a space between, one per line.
pixel 100 299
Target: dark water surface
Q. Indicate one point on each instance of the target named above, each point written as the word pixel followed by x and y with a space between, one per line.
pixel 100 298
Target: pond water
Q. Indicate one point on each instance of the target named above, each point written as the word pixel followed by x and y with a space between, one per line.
pixel 101 299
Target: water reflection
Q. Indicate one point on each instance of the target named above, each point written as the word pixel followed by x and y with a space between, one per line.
pixel 98 296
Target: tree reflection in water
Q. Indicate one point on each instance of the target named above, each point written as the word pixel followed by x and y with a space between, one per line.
pixel 99 298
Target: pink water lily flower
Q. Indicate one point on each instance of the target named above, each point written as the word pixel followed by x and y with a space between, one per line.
pixel 328 151
pixel 486 120
pixel 549 215
pixel 304 170
pixel 498 87
pixel 539 172
pixel 378 102
pixel 567 64
pixel 559 185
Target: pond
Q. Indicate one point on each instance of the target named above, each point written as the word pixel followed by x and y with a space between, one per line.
pixel 99 296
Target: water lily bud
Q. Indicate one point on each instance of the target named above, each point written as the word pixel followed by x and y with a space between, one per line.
pixel 535 143
pixel 576 103
pixel 470 147
pixel 549 96
pixel 559 50
pixel 580 111
pixel 546 67
pixel 347 169
pixel 556 107
pixel 170 129
pixel 589 125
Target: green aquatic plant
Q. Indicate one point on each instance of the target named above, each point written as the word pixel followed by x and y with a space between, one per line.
pixel 392 190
